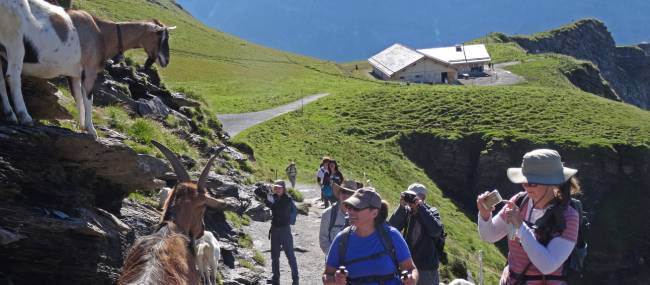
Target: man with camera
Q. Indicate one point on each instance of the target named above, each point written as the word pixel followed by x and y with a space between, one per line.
pixel 421 227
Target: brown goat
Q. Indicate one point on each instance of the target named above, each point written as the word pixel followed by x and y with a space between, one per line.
pixel 167 256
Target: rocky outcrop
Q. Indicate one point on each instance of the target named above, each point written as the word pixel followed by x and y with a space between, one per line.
pixel 53 183
pixel 64 216
pixel 589 79
pixel 614 181
pixel 627 69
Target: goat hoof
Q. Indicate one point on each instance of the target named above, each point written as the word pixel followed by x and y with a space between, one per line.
pixel 25 119
pixel 92 132
pixel 10 117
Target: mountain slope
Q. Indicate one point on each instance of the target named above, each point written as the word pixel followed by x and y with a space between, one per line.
pixel 238 76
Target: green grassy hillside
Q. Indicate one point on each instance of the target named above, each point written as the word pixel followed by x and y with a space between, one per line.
pixel 360 123
pixel 239 76
pixel 360 128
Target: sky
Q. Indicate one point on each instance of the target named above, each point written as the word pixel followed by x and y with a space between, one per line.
pixel 347 30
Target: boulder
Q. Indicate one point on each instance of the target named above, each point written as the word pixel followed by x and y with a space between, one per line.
pixel 56 167
pixel 43 99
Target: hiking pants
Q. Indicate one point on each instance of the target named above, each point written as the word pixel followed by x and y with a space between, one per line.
pixel 292 179
pixel 428 277
pixel 281 237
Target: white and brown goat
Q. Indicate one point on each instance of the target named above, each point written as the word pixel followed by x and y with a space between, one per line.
pixel 168 256
pixel 43 40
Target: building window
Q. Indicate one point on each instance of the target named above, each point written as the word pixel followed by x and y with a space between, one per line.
pixel 418 76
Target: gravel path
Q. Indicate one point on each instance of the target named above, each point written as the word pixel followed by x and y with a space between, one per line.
pixel 498 76
pixel 311 260
pixel 235 123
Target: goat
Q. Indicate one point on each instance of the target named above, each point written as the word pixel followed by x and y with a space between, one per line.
pixel 167 256
pixel 43 40
pixel 208 252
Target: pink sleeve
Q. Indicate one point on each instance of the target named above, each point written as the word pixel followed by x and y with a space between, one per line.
pixel 571 218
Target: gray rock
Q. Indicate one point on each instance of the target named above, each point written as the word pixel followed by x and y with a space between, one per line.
pixel 42 99
pixel 258 212
pixel 153 107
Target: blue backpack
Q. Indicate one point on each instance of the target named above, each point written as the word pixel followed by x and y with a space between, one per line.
pixel 293 214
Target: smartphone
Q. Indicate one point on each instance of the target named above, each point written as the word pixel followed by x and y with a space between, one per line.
pixel 493 198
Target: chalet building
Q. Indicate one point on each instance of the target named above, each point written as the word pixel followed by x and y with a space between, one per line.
pixel 433 65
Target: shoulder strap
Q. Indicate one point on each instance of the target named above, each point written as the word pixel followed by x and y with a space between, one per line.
pixel 385 239
pixel 333 216
pixel 343 245
pixel 387 242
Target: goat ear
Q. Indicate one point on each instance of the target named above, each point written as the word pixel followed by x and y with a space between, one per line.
pixel 171 28
pixel 180 171
pixel 215 203
pixel 206 170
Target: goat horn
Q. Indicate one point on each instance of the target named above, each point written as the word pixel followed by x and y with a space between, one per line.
pixel 206 170
pixel 171 28
pixel 180 171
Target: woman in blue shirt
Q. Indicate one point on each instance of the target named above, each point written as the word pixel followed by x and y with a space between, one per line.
pixel 364 248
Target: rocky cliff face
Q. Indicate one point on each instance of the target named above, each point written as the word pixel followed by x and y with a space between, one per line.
pixel 627 69
pixel 614 181
pixel 64 215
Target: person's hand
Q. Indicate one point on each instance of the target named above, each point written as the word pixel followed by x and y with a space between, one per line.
pixel 512 215
pixel 409 280
pixel 480 201
pixel 340 278
pixel 269 197
pixel 416 202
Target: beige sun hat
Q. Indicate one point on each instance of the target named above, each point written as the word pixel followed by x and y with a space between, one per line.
pixel 347 185
pixel 363 198
pixel 541 166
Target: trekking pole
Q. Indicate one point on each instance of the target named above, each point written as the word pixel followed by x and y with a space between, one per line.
pixel 480 267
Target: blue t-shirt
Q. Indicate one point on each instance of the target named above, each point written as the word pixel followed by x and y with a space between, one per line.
pixel 366 246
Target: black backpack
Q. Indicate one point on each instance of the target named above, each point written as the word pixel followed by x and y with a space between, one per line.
pixel 440 242
pixel 573 267
pixel 385 239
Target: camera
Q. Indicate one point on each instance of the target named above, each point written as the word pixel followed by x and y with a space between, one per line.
pixel 408 197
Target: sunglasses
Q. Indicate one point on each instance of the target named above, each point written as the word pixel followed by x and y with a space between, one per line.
pixel 531 184
pixel 354 209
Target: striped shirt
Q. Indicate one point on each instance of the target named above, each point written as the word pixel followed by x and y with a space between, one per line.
pixel 517 257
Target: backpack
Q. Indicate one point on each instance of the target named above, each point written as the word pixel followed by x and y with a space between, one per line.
pixel 385 239
pixel 294 212
pixel 333 213
pixel 440 242
pixel 574 265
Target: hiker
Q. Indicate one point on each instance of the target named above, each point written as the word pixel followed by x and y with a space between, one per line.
pixel 333 219
pixel 292 172
pixel 280 231
pixel 332 176
pixel 320 174
pixel 421 228
pixel 541 226
pixel 373 252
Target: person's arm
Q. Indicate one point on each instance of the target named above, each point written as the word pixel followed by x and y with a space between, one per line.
pixel 323 237
pixel 430 220
pixel 492 230
pixel 269 200
pixel 549 258
pixel 546 259
pixel 398 219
